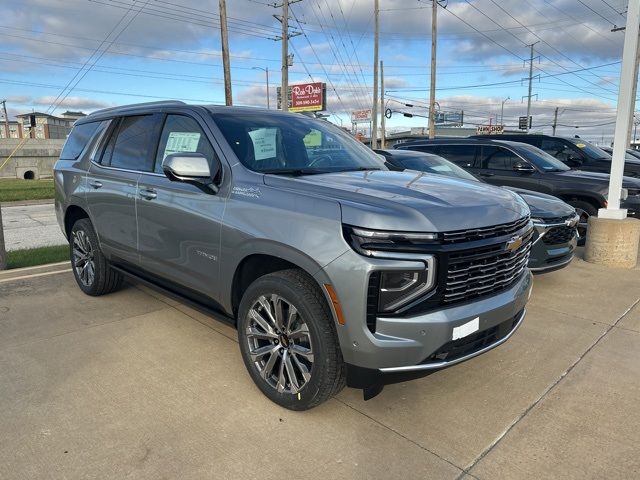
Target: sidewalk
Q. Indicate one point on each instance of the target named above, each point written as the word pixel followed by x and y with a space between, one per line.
pixel 31 225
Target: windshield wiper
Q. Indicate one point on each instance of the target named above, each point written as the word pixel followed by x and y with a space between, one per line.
pixel 360 169
pixel 294 171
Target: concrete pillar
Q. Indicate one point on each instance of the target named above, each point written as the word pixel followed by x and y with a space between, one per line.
pixel 613 242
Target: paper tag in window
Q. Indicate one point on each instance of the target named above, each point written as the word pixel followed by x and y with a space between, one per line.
pixel 264 143
pixel 466 329
pixel 179 142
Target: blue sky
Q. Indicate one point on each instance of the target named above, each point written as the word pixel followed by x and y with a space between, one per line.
pixel 111 52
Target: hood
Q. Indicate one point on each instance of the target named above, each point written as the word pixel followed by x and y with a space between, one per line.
pixel 600 178
pixel 543 205
pixel 409 201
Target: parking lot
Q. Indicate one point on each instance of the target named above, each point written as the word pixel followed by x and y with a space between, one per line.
pixel 135 385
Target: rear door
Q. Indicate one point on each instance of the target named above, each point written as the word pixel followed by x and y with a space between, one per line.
pixel 497 167
pixel 179 224
pixel 112 184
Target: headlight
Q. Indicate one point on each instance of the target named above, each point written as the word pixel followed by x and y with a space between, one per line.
pixel 365 241
pixel 399 288
pixel 537 221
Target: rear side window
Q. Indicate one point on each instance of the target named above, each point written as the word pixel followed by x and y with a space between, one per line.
pixel 182 134
pixel 131 148
pixel 461 155
pixel 78 139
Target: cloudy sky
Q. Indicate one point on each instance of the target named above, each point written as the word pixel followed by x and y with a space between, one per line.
pixel 87 54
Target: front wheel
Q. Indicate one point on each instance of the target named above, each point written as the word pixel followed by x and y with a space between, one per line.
pixel 584 211
pixel 289 342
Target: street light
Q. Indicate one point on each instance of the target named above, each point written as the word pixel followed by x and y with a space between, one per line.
pixel 502 110
pixel 265 70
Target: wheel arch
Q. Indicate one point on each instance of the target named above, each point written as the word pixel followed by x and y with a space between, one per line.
pixel 596 200
pixel 72 214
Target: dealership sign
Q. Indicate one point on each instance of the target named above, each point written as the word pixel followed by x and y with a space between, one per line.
pixel 489 129
pixel 361 116
pixel 306 97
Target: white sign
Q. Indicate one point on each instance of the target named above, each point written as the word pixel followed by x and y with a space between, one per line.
pixel 358 116
pixel 489 129
pixel 264 142
pixel 182 142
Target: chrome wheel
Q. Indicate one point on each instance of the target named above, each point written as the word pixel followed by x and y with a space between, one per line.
pixel 582 222
pixel 279 343
pixel 83 259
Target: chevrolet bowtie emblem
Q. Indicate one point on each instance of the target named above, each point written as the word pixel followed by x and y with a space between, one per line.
pixel 513 244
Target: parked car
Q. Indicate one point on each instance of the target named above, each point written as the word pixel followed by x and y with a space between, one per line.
pixel 555 236
pixel 332 268
pixel 574 152
pixel 520 165
pixel 630 155
pixel 634 153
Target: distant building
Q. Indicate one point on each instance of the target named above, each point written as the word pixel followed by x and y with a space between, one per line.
pixel 47 126
pixel 15 129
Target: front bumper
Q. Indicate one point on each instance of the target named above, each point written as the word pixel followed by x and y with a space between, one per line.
pixel 403 343
pixel 547 254
pixel 632 204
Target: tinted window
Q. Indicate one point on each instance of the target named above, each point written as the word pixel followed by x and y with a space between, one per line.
pixel 559 149
pixel 498 158
pixel 272 142
pixel 589 149
pixel 462 155
pixel 540 158
pixel 182 134
pixel 78 139
pixel 131 148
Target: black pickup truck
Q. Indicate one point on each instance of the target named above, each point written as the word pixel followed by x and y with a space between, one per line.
pixel 523 166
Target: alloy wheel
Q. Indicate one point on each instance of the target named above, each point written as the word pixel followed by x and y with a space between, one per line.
pixel 582 222
pixel 279 343
pixel 83 259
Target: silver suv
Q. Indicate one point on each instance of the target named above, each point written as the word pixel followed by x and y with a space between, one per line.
pixel 333 269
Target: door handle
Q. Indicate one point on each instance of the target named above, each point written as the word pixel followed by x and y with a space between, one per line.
pixel 148 193
pixel 486 174
pixel 95 184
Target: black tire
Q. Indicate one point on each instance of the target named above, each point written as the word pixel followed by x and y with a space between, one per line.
pixel 327 371
pixel 585 210
pixel 104 279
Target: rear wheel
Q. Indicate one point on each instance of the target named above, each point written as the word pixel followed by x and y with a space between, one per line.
pixel 584 211
pixel 93 273
pixel 288 340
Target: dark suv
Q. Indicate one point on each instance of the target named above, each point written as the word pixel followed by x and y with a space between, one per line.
pixel 574 152
pixel 334 269
pixel 524 166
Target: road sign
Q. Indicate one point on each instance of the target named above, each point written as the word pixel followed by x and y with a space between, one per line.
pixel 522 122
pixel 450 118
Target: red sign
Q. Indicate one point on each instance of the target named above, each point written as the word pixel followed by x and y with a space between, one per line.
pixel 358 116
pixel 307 97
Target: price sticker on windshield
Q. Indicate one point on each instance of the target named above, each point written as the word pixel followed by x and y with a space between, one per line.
pixel 466 329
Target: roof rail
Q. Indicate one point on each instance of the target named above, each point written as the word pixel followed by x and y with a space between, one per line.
pixel 145 104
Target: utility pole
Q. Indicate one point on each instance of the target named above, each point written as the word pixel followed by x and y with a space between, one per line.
pixel 555 121
pixel 530 87
pixel 265 70
pixel 502 110
pixel 382 116
pixel 284 87
pixel 374 110
pixel 434 48
pixel 6 119
pixel 224 34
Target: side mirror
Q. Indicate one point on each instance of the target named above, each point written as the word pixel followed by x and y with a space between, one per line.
pixel 191 168
pixel 523 167
pixel 573 161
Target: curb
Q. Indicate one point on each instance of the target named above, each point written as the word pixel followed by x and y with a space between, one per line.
pixel 37 270
pixel 26 203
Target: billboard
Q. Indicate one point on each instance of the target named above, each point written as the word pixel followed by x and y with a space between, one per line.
pixel 306 97
pixel 451 118
pixel 361 116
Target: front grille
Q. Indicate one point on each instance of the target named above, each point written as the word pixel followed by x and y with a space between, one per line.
pixel 558 235
pixel 472 273
pixel 465 346
pixel 472 234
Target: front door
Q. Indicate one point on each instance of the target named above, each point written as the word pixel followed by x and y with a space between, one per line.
pixel 178 223
pixel 497 166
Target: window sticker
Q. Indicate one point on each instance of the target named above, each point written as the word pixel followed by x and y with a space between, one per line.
pixel 580 145
pixel 264 142
pixel 182 142
pixel 313 139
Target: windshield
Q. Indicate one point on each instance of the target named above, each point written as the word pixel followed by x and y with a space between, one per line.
pixel 589 149
pixel 541 159
pixel 435 164
pixel 293 144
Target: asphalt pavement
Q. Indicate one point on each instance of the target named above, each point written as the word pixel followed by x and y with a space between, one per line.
pixel 31 226
pixel 135 385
